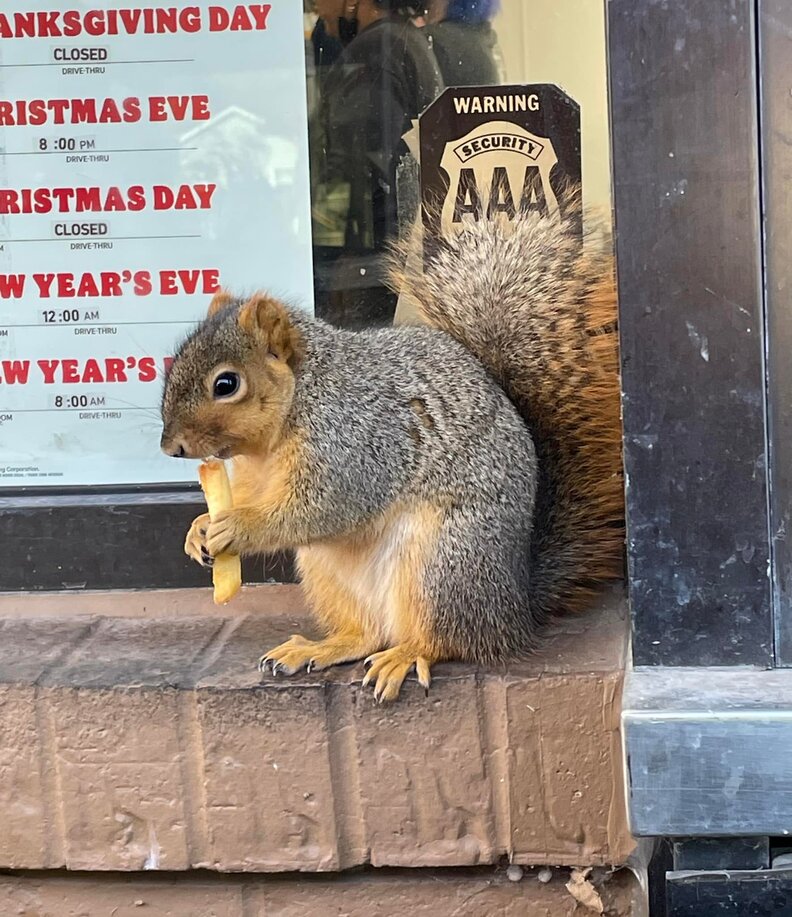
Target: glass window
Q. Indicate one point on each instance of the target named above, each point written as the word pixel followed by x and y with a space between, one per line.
pixel 373 67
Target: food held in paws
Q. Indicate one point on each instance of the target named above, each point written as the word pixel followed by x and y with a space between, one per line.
pixel 227 569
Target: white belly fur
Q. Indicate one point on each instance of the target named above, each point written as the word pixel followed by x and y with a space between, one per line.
pixel 369 573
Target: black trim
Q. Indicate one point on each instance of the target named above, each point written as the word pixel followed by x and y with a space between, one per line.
pixel 686 182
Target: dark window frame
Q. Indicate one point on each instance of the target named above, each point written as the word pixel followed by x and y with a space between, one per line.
pixel 685 127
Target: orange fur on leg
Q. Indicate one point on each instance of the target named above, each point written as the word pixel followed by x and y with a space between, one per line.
pixel 366 590
pixel 414 645
pixel 349 634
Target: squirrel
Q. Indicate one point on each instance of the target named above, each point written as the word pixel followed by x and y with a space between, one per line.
pixel 448 487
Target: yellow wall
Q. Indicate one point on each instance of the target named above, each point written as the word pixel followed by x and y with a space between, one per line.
pixel 563 42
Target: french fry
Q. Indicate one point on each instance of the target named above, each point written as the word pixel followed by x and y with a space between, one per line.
pixel 227 569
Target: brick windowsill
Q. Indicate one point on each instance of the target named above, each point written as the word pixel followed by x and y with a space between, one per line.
pixel 135 743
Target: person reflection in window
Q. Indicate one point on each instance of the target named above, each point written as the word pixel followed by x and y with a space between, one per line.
pixel 385 77
pixel 464 42
pixel 326 48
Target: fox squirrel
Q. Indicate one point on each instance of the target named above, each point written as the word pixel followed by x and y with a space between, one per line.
pixel 447 487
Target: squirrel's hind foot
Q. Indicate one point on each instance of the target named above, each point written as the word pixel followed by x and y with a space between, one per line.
pixel 391 667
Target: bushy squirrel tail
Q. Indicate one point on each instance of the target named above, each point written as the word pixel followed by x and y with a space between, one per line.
pixel 541 316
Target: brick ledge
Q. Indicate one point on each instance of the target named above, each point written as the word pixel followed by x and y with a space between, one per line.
pixel 132 744
pixel 367 893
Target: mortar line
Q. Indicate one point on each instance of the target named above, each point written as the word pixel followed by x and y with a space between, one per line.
pixel 342 753
pixel 192 766
pixel 50 778
pixel 54 820
pixel 192 762
pixel 493 720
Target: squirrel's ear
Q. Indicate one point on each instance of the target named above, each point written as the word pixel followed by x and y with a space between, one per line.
pixel 266 319
pixel 220 300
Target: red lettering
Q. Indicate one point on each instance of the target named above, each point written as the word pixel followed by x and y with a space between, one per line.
pixel 115 370
pixel 109 113
pixel 9 201
pixel 48 368
pixel 115 199
pixel 168 283
pixel 71 23
pixel 137 198
pixel 160 20
pixel 111 284
pixel 190 19
pixel 15 372
pixel 219 18
pixel 74 111
pixel 172 282
pixel 85 199
pixel 92 373
pixel 189 280
pixel 187 197
pixel 179 106
pixel 132 109
pixel 44 284
pixel 12 286
pixel 240 21
pixel 58 108
pixel 48 25
pixel 129 19
pixel 147 369
pixel 83 111
pixel 201 108
pixel 211 277
pixel 260 12
pixel 93 23
pixel 157 109
pixel 66 285
pixel 87 286
pixel 161 108
pixel 36 112
pixel 243 19
pixel 142 283
pixel 205 193
pixel 69 371
pixel 25 25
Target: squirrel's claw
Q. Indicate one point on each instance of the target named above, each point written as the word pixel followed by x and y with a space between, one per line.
pixel 313 655
pixel 222 535
pixel 195 542
pixel 389 668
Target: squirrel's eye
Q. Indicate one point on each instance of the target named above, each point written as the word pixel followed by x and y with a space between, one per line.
pixel 225 385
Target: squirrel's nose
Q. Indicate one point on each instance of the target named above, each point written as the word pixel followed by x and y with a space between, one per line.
pixel 173 447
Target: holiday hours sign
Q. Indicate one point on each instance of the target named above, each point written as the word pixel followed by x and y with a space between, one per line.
pixel 148 155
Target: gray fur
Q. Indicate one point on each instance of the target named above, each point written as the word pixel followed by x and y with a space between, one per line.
pixel 469 451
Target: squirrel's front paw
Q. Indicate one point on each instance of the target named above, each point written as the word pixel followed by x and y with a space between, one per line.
pixel 298 653
pixel 229 533
pixel 195 543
